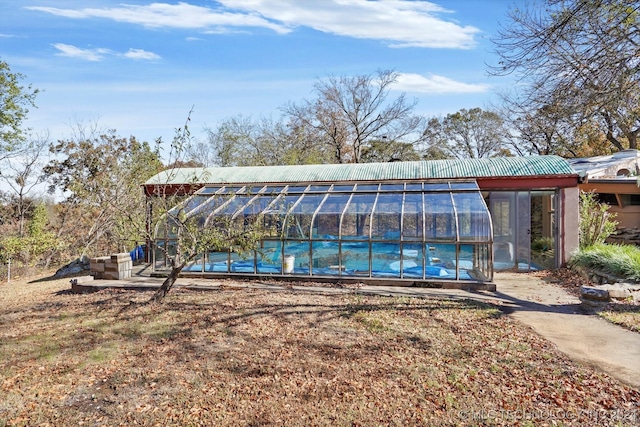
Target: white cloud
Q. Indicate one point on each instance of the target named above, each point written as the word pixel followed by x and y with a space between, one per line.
pixel 400 23
pixel 76 52
pixel 141 54
pixel 435 84
pixel 99 54
pixel 181 15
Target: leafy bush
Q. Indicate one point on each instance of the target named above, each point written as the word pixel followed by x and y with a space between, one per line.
pixel 596 222
pixel 618 260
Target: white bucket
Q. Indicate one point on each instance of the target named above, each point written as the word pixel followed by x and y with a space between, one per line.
pixel 289 263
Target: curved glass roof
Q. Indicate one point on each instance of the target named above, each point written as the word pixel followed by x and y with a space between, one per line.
pixel 411 211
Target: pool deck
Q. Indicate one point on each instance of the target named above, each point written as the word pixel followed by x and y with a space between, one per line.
pixel 548 309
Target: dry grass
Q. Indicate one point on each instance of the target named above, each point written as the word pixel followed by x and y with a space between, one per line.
pixel 249 357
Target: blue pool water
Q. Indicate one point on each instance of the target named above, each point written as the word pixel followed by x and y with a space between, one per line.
pixel 386 261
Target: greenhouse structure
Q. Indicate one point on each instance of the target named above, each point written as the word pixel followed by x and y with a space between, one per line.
pixel 447 223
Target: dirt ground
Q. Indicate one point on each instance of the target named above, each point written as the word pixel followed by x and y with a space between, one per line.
pixel 237 355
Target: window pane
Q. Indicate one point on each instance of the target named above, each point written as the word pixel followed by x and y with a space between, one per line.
pixel 325 259
pixel 386 217
pixel 385 260
pixel 274 211
pixel 342 188
pixel 464 186
pixel 392 187
pixel 269 257
pixel 439 217
pixel 296 257
pixel 211 204
pixel 355 258
pixel 367 187
pixel 273 190
pixel 217 262
pixel 299 219
pixel 436 186
pixel 232 189
pixel 356 220
pixel 327 220
pixel 296 188
pixel 473 217
pixel 193 202
pixel 412 219
pixel 319 188
pixel 234 205
pixel 208 190
pixel 412 259
pixel 630 200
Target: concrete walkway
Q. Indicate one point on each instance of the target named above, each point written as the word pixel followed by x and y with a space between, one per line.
pixel 557 316
pixel 547 309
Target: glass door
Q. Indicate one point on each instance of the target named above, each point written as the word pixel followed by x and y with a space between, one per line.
pixel 503 215
pixel 543 229
pixel 523 231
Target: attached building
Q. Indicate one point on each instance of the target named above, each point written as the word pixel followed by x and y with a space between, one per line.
pixel 614 180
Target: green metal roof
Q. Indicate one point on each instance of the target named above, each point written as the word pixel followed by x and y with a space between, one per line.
pixel 417 170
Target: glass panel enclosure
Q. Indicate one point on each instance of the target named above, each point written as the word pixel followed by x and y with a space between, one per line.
pixel 298 222
pixel 396 230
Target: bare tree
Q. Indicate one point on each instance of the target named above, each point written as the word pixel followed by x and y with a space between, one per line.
pixel 467 134
pixel 349 113
pixel 243 141
pixel 580 58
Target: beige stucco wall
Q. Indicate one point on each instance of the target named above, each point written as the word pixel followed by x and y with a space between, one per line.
pixel 569 231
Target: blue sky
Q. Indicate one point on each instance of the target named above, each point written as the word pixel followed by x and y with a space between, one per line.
pixel 139 66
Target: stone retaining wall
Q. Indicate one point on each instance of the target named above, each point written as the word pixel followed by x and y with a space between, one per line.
pixel 625 236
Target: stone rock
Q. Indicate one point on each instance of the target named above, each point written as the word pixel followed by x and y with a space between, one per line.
pixel 77 266
pixel 618 290
pixel 593 293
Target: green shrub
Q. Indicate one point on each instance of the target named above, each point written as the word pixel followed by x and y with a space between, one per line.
pixel 618 260
pixel 596 222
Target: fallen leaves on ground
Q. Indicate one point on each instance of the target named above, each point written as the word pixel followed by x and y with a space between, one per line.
pixel 253 357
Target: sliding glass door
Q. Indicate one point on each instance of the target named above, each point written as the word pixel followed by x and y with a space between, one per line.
pixel 524 231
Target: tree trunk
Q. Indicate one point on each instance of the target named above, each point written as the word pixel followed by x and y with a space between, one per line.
pixel 167 284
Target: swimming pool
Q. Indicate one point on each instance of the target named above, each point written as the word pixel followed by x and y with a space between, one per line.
pixel 335 258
